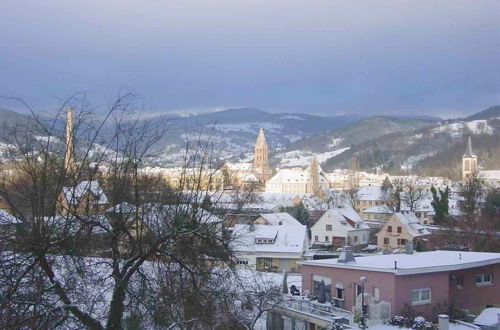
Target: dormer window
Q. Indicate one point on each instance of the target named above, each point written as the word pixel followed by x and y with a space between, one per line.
pixel 264 240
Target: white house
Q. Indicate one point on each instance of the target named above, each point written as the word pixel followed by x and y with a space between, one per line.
pixel 273 248
pixel 340 226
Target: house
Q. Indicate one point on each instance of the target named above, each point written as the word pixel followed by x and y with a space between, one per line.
pixel 380 213
pixel 340 226
pixel 274 248
pixel 369 196
pixel 87 197
pixel 401 228
pixel 277 219
pixel 467 280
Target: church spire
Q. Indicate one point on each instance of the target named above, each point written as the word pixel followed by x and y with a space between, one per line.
pixel 468 150
pixel 69 157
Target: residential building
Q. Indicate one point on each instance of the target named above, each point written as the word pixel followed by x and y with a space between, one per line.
pixel 87 197
pixel 340 226
pixel 369 196
pixel 467 280
pixel 273 248
pixel 400 229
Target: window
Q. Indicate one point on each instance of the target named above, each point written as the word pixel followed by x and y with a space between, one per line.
pixel 400 230
pixel 316 238
pixel 484 279
pixel 389 229
pixel 340 294
pixel 268 263
pixel 326 238
pixel 386 240
pixel 418 214
pixel 376 294
pixel 242 262
pixel 401 241
pixel 355 239
pixel 329 227
pixel 460 282
pixel 420 296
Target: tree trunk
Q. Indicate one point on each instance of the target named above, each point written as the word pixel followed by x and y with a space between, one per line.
pixel 117 306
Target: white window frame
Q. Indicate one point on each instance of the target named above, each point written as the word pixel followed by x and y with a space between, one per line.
pixel 420 300
pixel 328 228
pixel 483 282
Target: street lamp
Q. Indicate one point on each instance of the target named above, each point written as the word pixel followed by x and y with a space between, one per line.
pixel 363 280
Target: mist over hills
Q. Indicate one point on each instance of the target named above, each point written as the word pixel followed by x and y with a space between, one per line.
pixel 393 143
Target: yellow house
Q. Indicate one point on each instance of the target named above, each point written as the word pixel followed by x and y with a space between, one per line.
pixel 401 228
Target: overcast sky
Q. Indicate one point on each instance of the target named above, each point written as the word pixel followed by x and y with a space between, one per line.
pixel 317 56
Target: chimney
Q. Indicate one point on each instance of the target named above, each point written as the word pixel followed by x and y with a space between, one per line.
pixel 443 322
pixel 346 255
pixel 409 247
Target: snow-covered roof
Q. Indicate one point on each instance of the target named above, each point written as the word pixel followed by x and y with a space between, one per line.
pixel 488 317
pixel 73 193
pixel 288 239
pixel 247 177
pixel 294 175
pixel 489 175
pixel 417 263
pixel 7 219
pixel 239 166
pixel 122 208
pixel 282 218
pixel 372 193
pixel 341 215
pixel 411 224
pixel 379 209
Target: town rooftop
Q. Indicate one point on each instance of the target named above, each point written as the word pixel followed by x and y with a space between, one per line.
pixel 417 263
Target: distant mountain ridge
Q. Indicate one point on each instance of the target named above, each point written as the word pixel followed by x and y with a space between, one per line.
pixel 393 143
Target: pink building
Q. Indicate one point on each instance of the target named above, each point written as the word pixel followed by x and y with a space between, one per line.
pixel 469 280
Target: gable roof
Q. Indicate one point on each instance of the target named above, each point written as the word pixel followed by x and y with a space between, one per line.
pixel 288 239
pixel 411 224
pixel 341 216
pixel 72 194
pixel 372 193
pixel 7 219
pixel 282 218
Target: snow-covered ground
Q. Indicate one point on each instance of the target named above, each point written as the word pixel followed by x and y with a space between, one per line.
pixel 302 159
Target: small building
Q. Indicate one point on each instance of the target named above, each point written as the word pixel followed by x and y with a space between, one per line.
pixel 87 197
pixel 340 226
pixel 467 280
pixel 370 196
pixel 273 248
pixel 401 228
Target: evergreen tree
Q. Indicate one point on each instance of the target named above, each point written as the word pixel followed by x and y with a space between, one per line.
pixel 440 204
pixel 491 205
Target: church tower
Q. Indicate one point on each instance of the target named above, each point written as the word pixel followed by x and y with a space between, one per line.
pixel 469 162
pixel 260 158
pixel 69 157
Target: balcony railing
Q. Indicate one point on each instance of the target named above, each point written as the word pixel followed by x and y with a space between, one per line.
pixel 325 311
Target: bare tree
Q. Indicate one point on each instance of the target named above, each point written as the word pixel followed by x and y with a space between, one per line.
pixel 150 256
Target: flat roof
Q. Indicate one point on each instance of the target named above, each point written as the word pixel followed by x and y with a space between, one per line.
pixel 417 263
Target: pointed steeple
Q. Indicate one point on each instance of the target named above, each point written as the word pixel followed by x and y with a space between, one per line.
pixel 261 138
pixel 468 150
pixel 69 158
